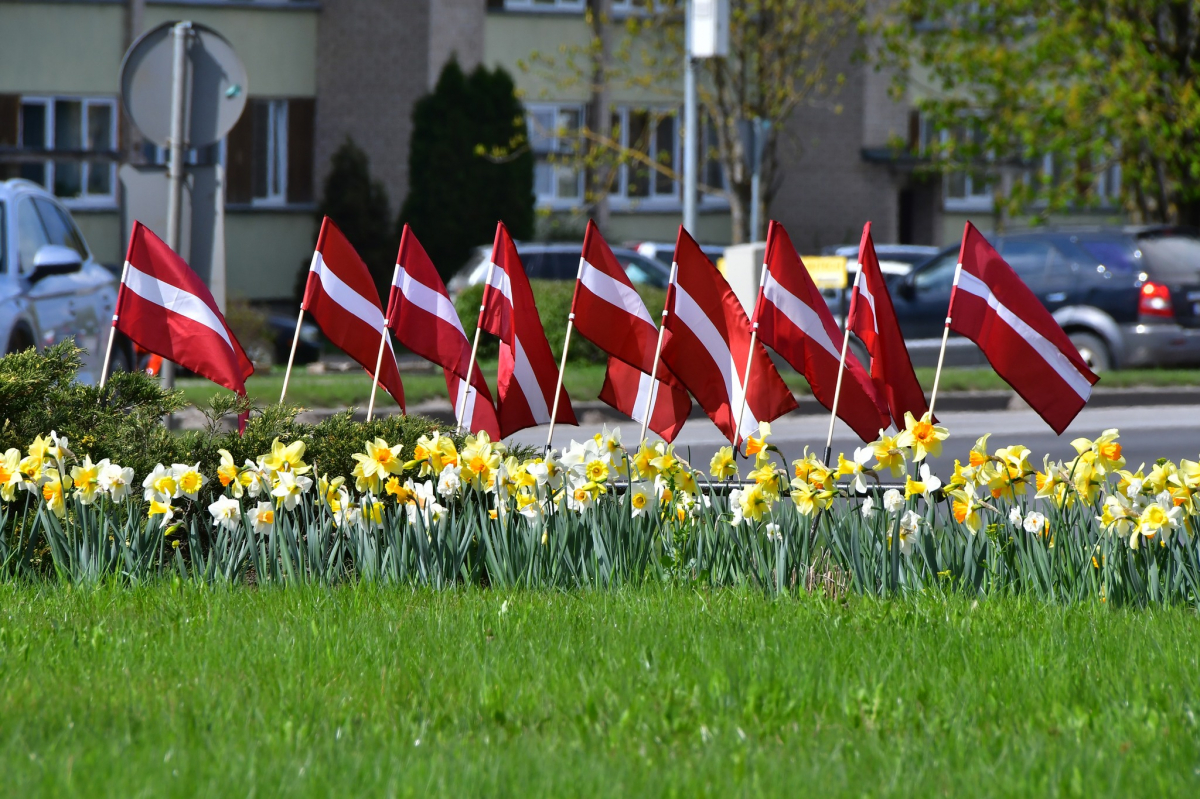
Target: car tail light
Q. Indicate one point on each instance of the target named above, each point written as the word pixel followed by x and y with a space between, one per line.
pixel 1155 300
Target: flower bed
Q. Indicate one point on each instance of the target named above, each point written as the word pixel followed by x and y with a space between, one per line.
pixel 602 515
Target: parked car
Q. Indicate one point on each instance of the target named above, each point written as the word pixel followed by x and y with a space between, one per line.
pixel 664 252
pixel 895 261
pixel 1126 296
pixel 558 262
pixel 51 287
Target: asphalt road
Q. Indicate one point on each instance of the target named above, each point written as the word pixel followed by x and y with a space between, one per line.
pixel 1147 433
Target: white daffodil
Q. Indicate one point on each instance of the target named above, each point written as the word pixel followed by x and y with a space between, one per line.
pixel 1034 523
pixel 160 484
pixel 188 480
pixel 868 507
pixel 227 513
pixel 290 487
pixel 642 498
pixel 893 500
pixel 263 517
pixel 117 481
pixel 449 483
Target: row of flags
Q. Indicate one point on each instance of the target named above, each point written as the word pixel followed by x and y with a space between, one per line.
pixel 706 347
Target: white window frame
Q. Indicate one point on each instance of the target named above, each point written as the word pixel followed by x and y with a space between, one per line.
pixel 548 154
pixel 971 200
pixel 85 199
pixel 619 198
pixel 551 7
pixel 277 143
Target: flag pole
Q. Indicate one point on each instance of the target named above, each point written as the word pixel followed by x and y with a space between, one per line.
pixel 937 375
pixel 737 421
pixel 487 284
pixel 662 328
pixel 382 343
pixel 837 389
pixel 112 332
pixel 562 365
pixel 287 375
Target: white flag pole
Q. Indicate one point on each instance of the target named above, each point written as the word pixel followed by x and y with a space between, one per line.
pixel 662 328
pixel 382 343
pixel 837 389
pixel 562 366
pixel 487 284
pixel 737 421
pixel 937 375
pixel 287 375
pixel 112 333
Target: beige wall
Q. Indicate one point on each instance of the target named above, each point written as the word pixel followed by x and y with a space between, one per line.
pixel 61 48
pixel 263 252
pixel 102 231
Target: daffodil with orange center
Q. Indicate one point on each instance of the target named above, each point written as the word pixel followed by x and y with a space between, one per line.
pixel 922 436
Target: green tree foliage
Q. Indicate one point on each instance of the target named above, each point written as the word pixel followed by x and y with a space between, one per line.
pixel 358 205
pixel 469 166
pixel 783 54
pixel 1093 84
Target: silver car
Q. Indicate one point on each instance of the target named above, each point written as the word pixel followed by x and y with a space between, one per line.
pixel 51 287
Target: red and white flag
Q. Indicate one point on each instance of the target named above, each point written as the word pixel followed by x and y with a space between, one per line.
pixel 873 319
pixel 609 312
pixel 707 345
pixel 424 320
pixel 528 373
pixel 794 320
pixel 342 298
pixel 165 308
pixel 991 306
pixel 627 389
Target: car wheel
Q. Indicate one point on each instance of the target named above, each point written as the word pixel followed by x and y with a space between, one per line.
pixel 1093 350
pixel 19 341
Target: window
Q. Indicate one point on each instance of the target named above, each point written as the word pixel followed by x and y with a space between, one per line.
pixel 553 137
pixel 651 135
pixel 31 235
pixel 73 127
pixel 544 5
pixel 269 153
pixel 966 189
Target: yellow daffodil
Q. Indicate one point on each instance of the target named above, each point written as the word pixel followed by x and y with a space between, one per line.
pixel 755 503
pixel 889 455
pixel 188 479
pixel 755 445
pixel 966 509
pixel 922 436
pixel 377 461
pixel 723 466
pixel 10 474
pixel 285 458
pixel 87 479
pixel 53 487
pixel 479 459
pixel 162 509
pixel 229 474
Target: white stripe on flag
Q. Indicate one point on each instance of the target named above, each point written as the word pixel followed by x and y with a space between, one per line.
pixel 464 404
pixel 1059 362
pixel 643 396
pixel 341 293
pixel 427 299
pixel 614 292
pixel 528 382
pixel 800 314
pixel 864 291
pixel 692 315
pixel 501 283
pixel 174 299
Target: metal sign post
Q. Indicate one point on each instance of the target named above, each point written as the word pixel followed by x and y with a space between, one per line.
pixel 180 102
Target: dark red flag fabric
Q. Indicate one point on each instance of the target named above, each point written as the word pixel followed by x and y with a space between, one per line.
pixel 165 308
pixel 610 313
pixel 873 319
pixel 424 320
pixel 628 389
pixel 341 297
pixel 707 345
pixel 794 320
pixel 528 373
pixel 992 306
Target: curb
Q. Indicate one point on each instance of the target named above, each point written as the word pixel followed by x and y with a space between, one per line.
pixel 595 412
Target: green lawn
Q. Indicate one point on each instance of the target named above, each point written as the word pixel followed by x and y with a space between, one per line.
pixel 359 692
pixel 583 382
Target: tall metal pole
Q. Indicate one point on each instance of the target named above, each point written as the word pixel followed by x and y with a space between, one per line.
pixel 691 131
pixel 178 143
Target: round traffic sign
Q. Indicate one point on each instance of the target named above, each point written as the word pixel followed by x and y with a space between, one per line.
pixel 216 78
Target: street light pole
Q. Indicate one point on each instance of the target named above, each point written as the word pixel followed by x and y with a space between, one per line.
pixel 691 132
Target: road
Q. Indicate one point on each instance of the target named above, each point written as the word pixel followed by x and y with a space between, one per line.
pixel 1147 433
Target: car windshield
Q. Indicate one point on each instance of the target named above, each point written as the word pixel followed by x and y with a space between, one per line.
pixel 1120 256
pixel 1172 257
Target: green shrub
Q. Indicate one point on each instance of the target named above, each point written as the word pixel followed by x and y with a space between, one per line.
pixel 124 420
pixel 554 306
